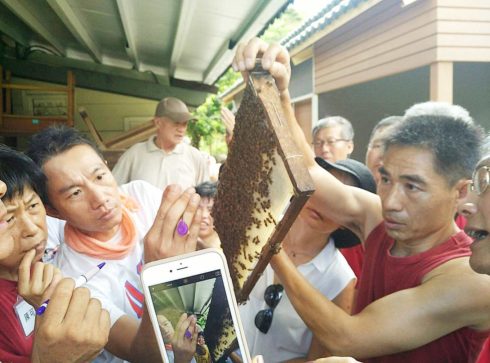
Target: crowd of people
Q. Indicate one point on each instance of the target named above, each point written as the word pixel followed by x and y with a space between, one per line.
pixel 376 268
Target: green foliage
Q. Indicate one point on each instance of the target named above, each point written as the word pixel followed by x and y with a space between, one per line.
pixel 208 132
pixel 208 126
pixel 282 26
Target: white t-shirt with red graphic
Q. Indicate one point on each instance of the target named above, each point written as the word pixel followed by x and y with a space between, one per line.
pixel 117 285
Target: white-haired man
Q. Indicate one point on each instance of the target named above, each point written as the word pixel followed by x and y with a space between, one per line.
pixel 333 138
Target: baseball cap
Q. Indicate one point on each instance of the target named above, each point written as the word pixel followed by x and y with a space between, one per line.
pixel 356 169
pixel 344 237
pixel 174 109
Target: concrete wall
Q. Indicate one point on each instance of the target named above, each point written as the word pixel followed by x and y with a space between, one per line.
pixel 301 79
pixel 366 103
pixel 472 90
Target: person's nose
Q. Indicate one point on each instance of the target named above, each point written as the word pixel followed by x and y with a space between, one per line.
pixel 392 199
pixel 205 213
pixel 468 205
pixel 3 190
pixel 28 226
pixel 98 199
pixel 467 209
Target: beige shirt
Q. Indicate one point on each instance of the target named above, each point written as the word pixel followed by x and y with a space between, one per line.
pixel 185 165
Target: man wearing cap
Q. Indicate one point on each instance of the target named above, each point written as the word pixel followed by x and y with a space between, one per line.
pixel 164 158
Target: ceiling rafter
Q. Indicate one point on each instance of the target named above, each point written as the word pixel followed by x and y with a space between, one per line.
pixel 185 21
pixel 223 57
pixel 10 26
pixel 73 23
pixel 122 6
pixel 32 21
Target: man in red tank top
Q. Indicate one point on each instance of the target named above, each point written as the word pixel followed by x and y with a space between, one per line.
pixel 419 300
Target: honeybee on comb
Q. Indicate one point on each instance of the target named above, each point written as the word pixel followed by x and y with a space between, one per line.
pixel 262 186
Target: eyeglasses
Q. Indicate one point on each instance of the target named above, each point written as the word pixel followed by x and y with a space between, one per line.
pixel 329 142
pixel 480 179
pixel 272 296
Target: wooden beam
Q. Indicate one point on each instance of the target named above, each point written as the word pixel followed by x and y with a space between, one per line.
pixel 33 87
pixel 8 93
pixel 1 96
pixel 185 21
pixel 441 81
pixel 131 50
pixel 103 82
pixel 73 23
pixel 14 28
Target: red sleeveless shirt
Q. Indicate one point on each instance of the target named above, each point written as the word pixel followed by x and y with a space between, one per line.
pixel 383 274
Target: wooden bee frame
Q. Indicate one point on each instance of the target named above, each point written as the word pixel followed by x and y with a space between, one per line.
pixel 263 185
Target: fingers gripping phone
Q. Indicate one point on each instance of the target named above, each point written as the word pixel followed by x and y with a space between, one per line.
pixel 197 284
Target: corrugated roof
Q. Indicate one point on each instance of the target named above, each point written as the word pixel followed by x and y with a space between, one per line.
pixel 331 12
pixel 317 22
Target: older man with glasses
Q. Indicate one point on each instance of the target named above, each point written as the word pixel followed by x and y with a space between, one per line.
pixel 476 209
pixel 333 138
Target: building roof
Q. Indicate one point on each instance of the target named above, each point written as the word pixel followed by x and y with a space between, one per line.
pixel 319 21
pixel 126 46
pixel 311 26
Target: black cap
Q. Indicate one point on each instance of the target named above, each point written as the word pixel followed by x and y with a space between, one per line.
pixel 359 171
pixel 343 237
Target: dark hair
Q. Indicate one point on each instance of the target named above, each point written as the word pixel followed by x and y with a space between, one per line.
pixel 207 189
pixel 386 122
pixel 53 141
pixel 17 171
pixel 454 142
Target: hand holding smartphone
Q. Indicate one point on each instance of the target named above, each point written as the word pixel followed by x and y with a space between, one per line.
pixel 193 309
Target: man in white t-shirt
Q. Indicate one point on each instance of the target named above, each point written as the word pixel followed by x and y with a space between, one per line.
pixel 164 158
pixel 123 227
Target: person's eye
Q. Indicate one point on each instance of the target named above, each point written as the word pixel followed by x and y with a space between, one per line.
pixel 10 219
pixel 34 205
pixel 76 193
pixel 384 179
pixel 100 176
pixel 412 187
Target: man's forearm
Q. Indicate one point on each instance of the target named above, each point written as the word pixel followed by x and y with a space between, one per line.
pixel 145 346
pixel 327 321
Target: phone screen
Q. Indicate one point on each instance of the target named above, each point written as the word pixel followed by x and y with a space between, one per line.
pixel 204 296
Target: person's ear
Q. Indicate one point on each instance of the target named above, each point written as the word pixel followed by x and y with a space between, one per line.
pixel 350 146
pixel 462 187
pixel 52 212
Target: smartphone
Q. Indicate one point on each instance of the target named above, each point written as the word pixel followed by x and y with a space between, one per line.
pixel 197 284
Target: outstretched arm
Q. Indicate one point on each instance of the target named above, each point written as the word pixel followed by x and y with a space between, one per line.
pixel 422 314
pixel 359 210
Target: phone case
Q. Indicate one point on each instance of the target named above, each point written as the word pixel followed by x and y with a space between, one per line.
pixel 221 338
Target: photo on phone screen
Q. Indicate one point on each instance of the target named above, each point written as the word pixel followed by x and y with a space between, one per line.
pixel 204 296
